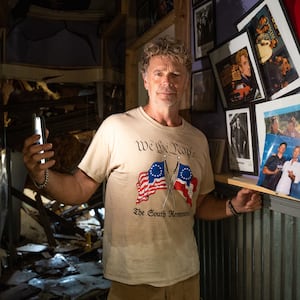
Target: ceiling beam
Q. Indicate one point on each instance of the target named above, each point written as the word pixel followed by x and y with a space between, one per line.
pixel 51 14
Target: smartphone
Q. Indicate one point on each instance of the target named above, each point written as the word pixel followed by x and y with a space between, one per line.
pixel 39 127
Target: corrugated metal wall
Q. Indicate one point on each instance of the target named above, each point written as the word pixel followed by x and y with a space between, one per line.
pixel 252 257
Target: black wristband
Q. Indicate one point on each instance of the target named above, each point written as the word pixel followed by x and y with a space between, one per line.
pixel 232 209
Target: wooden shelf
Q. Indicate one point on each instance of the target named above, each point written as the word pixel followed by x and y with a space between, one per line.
pixel 249 182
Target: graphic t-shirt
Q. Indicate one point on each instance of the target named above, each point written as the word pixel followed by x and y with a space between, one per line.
pixel 154 175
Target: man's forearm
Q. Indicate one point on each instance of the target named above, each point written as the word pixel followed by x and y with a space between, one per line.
pixel 212 208
pixel 66 188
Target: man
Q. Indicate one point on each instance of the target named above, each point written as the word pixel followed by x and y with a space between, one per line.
pixel 274 126
pixel 289 170
pixel 272 168
pixel 159 178
pixel 240 139
pixel 295 187
pixel 276 71
pixel 291 128
pixel 247 83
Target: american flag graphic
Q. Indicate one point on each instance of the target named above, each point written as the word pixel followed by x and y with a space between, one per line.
pixel 186 183
pixel 150 181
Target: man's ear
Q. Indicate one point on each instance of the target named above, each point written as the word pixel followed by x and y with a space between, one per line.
pixel 145 81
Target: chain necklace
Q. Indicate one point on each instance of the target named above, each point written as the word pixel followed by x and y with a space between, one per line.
pixel 170 179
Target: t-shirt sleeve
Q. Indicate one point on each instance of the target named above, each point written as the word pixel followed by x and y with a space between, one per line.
pixel 96 161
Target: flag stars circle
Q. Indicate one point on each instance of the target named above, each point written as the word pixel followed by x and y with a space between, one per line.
pixel 186 174
pixel 156 171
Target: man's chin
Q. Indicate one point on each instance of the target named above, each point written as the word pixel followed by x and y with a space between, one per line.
pixel 171 103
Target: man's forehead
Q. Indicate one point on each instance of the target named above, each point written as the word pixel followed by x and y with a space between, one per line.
pixel 164 62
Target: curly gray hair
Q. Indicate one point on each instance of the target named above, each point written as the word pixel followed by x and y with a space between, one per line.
pixel 166 46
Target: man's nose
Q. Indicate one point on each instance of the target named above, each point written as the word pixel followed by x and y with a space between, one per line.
pixel 167 80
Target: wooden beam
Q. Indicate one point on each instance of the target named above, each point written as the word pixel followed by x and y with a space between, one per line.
pixel 52 75
pixel 182 32
pixel 51 14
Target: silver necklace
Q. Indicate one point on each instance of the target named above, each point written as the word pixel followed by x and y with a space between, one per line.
pixel 170 179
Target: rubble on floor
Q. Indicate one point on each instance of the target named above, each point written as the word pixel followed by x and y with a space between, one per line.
pixel 57 259
pixel 57 276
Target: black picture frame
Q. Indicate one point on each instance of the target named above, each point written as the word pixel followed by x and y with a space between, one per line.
pixel 203 29
pixel 236 86
pixel 161 8
pixel 279 60
pixel 144 17
pixel 242 157
pixel 2 45
pixel 197 2
pixel 217 150
pixel 203 93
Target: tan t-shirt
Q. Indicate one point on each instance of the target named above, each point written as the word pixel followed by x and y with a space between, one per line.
pixel 154 174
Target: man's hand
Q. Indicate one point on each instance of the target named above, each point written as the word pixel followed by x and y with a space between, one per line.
pixel 32 156
pixel 247 200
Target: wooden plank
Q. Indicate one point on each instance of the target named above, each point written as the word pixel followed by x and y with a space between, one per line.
pixel 182 32
pixel 248 182
pixel 75 75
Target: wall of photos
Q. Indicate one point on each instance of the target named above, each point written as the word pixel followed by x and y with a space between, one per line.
pixel 150 12
pixel 246 72
pixel 224 28
pixel 253 256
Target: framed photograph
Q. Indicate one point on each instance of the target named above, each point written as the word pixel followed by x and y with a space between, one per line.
pixel 204 29
pixel 143 18
pixel 278 127
pixel 275 45
pixel 240 143
pixel 161 8
pixel 203 91
pixel 2 45
pixel 236 73
pixel 197 2
pixel 216 151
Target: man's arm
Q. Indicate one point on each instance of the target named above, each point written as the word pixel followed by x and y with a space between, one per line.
pixel 266 170
pixel 212 208
pixel 68 189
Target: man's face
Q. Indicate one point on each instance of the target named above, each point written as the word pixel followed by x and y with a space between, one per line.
pixel 165 80
pixel 290 127
pixel 285 66
pixel 245 66
pixel 282 148
pixel 262 20
pixel 296 152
